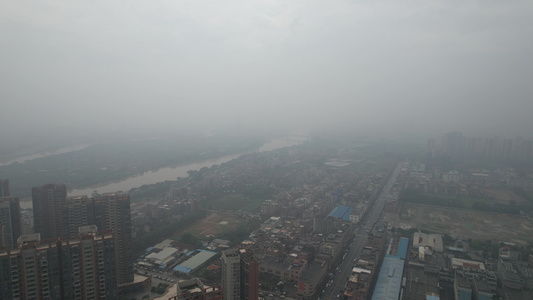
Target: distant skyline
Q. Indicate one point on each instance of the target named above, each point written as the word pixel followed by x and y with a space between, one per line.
pixel 364 67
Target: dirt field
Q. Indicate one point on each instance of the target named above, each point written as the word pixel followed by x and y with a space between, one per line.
pixel 214 224
pixel 463 224
pixel 503 196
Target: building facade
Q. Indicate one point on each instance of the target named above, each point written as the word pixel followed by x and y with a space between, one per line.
pixel 194 289
pixel 240 275
pixel 75 213
pixel 47 201
pixel 112 212
pixel 231 274
pixel 57 216
pixel 10 222
pixel 4 188
pixel 79 268
pixel 249 276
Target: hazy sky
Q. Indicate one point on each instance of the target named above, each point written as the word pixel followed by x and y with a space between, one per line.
pixel 369 66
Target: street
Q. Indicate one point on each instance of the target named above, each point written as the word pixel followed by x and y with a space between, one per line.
pixel 343 271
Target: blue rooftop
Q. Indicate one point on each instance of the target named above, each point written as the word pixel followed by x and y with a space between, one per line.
pixel 341 212
pixel 389 279
pixel 401 252
pixel 432 297
pixel 195 261
pixel 402 247
pixel 182 269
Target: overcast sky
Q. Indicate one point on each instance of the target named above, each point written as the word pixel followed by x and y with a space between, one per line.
pixel 369 66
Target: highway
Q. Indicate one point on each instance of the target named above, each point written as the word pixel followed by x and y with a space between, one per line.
pixel 335 289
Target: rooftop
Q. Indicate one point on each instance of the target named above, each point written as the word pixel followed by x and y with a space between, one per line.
pixel 341 212
pixel 162 255
pixel 194 262
pixel 389 279
pixel 428 240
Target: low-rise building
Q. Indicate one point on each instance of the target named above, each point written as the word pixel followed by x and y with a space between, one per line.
pixel 194 289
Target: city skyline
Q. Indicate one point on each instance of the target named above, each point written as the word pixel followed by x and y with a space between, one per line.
pixel 328 219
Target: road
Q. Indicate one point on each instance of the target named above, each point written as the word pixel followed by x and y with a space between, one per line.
pixel 157 276
pixel 342 273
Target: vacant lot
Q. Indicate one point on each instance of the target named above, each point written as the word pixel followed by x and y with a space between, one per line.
pixel 236 201
pixel 215 224
pixel 504 196
pixel 463 224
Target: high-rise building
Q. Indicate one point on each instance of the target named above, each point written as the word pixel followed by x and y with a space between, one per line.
pixel 517 148
pixel 76 212
pixel 47 201
pixel 78 268
pixel 108 212
pixel 527 149
pixel 490 148
pixel 231 274
pixel 10 223
pixel 4 188
pixel 249 275
pixel 55 216
pixel 452 143
pixel 240 275
pixel 507 149
pixel 112 212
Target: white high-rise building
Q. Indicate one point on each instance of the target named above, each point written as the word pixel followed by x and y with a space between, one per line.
pixel 231 274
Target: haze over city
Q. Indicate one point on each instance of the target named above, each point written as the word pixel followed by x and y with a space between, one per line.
pixel 364 67
pixel 262 150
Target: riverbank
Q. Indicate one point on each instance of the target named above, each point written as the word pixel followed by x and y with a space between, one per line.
pixel 171 173
pixel 174 172
pixel 117 160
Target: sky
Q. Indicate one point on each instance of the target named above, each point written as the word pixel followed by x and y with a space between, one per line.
pixel 383 67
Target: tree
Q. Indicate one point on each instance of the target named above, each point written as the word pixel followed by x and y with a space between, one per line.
pixel 188 238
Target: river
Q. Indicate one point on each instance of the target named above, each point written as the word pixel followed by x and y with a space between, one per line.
pixel 172 173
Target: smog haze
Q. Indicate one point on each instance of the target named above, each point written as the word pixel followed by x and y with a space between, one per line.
pixel 385 67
